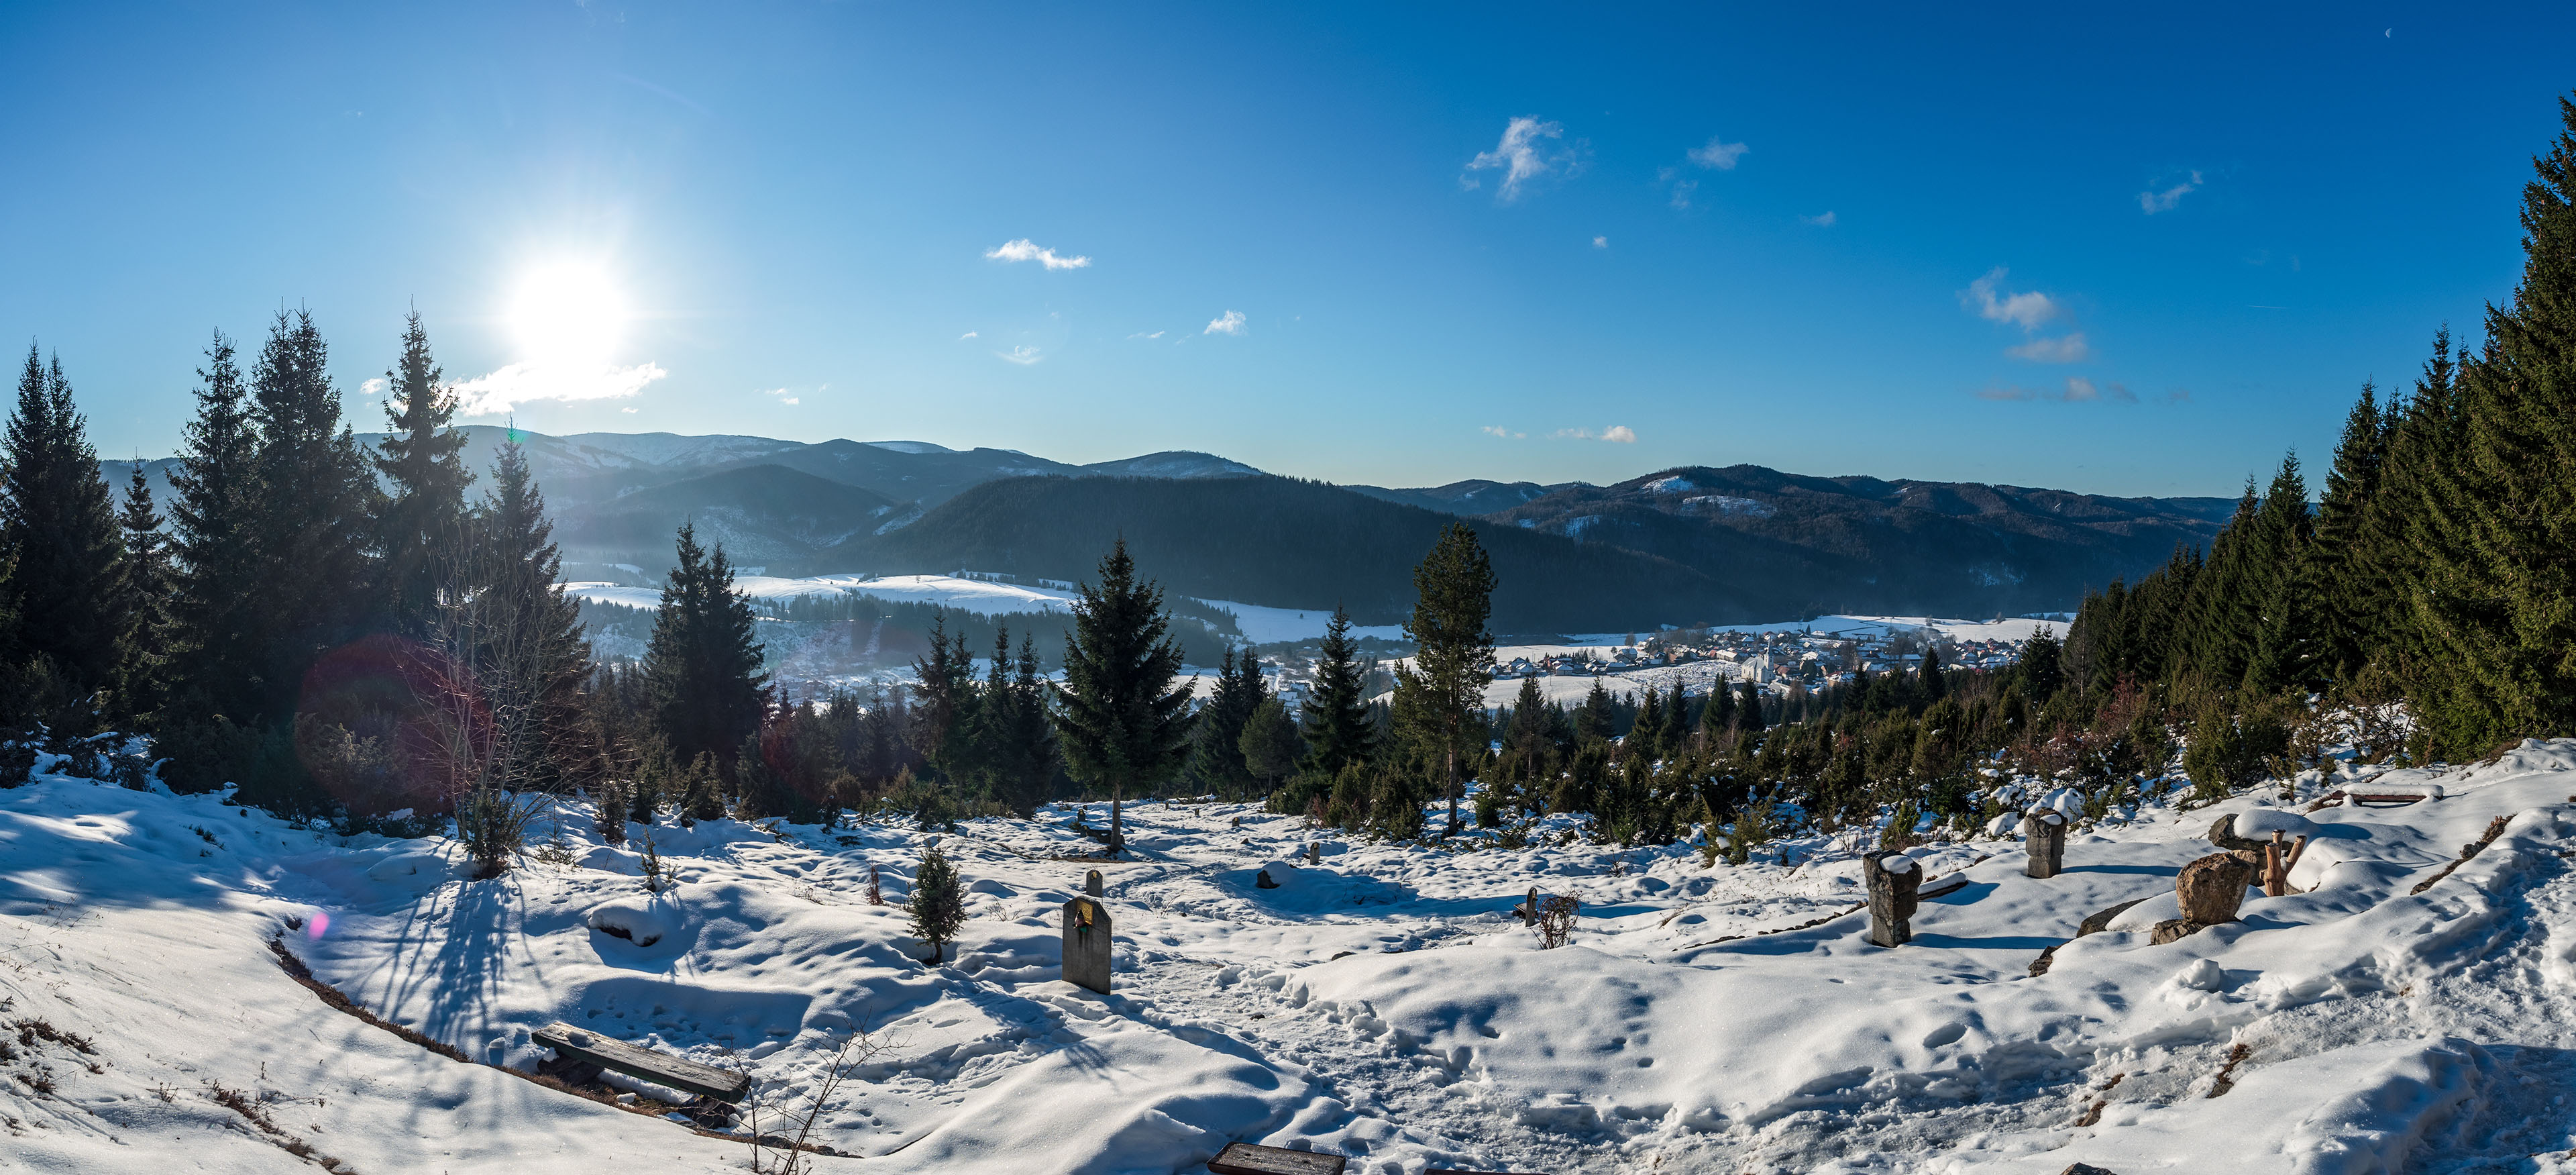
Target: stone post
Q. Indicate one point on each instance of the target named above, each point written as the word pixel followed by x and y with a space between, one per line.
pixel 1893 879
pixel 1086 944
pixel 2043 832
pixel 1091 883
pixel 1314 853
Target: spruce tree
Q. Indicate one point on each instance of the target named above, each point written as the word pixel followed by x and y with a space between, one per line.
pixel 312 494
pixel 215 638
pixel 1269 743
pixel 1717 717
pixel 1338 729
pixel 2500 608
pixel 1217 755
pixel 143 586
pixel 421 521
pixel 1935 687
pixel 2354 599
pixel 938 903
pixel 517 563
pixel 1453 655
pixel 60 593
pixel 2287 648
pixel 948 719
pixel 702 668
pixel 1026 740
pixel 2041 673
pixel 1124 721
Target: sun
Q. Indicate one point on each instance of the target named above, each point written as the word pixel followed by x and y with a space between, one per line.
pixel 567 314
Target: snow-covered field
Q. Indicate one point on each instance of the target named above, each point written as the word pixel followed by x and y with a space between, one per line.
pixel 1381 1004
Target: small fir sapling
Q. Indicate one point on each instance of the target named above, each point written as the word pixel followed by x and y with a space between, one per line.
pixel 705 796
pixel 938 905
pixel 611 822
pixel 657 876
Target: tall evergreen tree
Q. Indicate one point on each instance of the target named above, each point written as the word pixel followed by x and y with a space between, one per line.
pixel 1217 755
pixel 2287 646
pixel 422 519
pixel 1935 687
pixel 517 562
pixel 947 720
pixel 1748 708
pixel 313 495
pixel 60 592
pixel 1717 717
pixel 1453 657
pixel 2353 597
pixel 1024 756
pixel 143 587
pixel 1124 722
pixel 2041 672
pixel 703 666
pixel 1338 729
pixel 2500 609
pixel 216 642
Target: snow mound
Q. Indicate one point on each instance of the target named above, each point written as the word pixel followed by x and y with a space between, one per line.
pixel 639 920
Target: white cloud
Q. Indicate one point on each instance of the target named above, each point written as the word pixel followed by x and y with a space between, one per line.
pixel 1496 430
pixel 373 387
pixel 1682 193
pixel 1617 434
pixel 1824 221
pixel 1520 155
pixel 2155 202
pixel 791 400
pixel 1146 335
pixel 2067 349
pixel 968 335
pixel 1026 250
pixel 782 395
pixel 1023 355
pixel 2026 310
pixel 2080 389
pixel 1233 323
pixel 519 383
pixel 628 411
pixel 1718 153
pixel 1600 242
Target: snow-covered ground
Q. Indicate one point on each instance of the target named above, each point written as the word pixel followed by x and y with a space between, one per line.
pixel 1381 1004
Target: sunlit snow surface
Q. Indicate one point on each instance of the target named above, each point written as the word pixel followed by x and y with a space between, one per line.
pixel 1380 1004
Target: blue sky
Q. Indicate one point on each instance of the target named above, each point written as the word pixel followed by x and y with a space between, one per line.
pixel 2136 252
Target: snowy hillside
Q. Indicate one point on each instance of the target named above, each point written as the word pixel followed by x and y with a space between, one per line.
pixel 1381 1004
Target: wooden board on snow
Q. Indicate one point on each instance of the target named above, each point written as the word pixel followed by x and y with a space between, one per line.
pixel 659 1068
pixel 1243 1158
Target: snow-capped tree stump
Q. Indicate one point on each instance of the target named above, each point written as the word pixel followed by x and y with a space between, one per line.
pixel 2278 859
pixel 1893 878
pixel 1086 944
pixel 2210 890
pixel 1091 882
pixel 2043 831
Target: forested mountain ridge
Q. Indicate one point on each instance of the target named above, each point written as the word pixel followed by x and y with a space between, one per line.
pixel 1863 544
pixel 1734 544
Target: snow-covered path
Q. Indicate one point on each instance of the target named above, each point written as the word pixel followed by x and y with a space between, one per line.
pixel 1380 1004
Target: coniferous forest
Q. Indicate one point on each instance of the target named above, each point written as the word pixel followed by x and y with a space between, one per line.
pixel 375 639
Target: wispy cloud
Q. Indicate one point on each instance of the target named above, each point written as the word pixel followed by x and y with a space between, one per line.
pixel 1025 250
pixel 1825 220
pixel 783 397
pixel 2154 202
pixel 520 383
pixel 1682 191
pixel 2067 349
pixel 2026 310
pixel 1617 434
pixel 968 335
pixel 1496 430
pixel 1522 156
pixel 1600 242
pixel 2076 390
pixel 373 387
pixel 1232 322
pixel 1023 355
pixel 1717 153
pixel 1146 335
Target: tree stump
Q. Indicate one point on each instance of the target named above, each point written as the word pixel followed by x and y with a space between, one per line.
pixel 1893 879
pixel 1091 883
pixel 1086 944
pixel 2043 831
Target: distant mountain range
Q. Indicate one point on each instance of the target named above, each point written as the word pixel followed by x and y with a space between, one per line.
pixel 1689 545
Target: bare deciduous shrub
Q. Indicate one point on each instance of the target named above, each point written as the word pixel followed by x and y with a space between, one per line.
pixel 1555 921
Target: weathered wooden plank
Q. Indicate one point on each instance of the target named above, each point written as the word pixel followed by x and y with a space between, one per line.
pixel 659 1068
pixel 1243 1158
